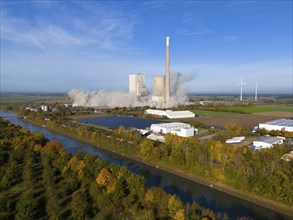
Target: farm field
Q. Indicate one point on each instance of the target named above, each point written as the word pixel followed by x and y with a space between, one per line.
pixel 23 98
pixel 261 108
pixel 211 113
pixel 243 120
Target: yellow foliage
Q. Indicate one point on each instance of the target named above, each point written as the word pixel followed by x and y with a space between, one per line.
pixel 180 215
pixel 37 148
pixel 218 174
pixel 54 146
pixel 149 196
pixel 111 186
pixel 80 165
pixel 103 176
pixel 76 165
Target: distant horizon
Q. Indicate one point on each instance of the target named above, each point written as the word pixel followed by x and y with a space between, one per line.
pixel 188 94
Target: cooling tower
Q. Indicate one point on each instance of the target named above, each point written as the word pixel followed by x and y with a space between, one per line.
pixel 159 86
pixel 167 78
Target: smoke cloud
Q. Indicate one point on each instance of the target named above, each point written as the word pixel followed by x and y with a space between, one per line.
pixel 113 99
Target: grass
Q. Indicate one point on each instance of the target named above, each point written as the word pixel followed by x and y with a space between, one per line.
pixel 22 98
pixel 262 108
pixel 211 113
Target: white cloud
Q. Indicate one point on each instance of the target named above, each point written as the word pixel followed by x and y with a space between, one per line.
pixel 100 27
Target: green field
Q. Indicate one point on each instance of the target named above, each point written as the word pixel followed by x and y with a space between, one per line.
pixel 23 98
pixel 261 108
pixel 211 113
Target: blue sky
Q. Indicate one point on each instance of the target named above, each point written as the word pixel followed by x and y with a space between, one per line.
pixel 54 46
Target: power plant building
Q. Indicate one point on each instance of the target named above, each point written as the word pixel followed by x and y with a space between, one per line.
pixel 137 85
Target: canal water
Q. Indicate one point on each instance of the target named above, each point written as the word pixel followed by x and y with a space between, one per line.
pixel 187 190
pixel 116 120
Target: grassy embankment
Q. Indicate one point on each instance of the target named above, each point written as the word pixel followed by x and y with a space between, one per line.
pixel 279 207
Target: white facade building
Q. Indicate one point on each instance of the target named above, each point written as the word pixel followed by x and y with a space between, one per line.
pixel 44 108
pixel 267 142
pixel 280 124
pixel 170 114
pixel 137 85
pixel 235 140
pixel 176 128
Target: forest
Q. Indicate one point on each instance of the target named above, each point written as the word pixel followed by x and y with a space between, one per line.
pixel 261 173
pixel 41 180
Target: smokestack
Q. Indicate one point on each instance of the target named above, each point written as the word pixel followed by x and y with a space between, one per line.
pixel 167 78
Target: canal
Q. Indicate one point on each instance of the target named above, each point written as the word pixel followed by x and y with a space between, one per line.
pixel 187 190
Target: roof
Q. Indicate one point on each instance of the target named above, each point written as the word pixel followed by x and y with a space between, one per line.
pixel 171 125
pixel 170 113
pixel 270 140
pixel 177 113
pixel 156 137
pixel 280 122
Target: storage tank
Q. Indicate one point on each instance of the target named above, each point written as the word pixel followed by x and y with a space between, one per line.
pixel 159 86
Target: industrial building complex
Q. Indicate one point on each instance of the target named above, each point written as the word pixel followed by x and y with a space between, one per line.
pixel 161 84
pixel 176 128
pixel 278 125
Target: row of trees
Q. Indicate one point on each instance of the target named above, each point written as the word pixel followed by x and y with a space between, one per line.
pixel 40 179
pixel 262 172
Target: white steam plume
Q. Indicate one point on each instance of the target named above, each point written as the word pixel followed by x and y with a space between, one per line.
pixel 124 99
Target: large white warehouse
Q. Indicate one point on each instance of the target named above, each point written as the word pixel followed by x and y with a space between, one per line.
pixel 137 85
pixel 176 128
pixel 280 124
pixel 267 142
pixel 170 114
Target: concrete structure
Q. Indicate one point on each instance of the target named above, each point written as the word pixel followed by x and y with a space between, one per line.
pixel 279 125
pixel 287 157
pixel 170 114
pixel 267 142
pixel 156 137
pixel 158 88
pixel 137 84
pixel 235 140
pixel 176 128
pixel 167 77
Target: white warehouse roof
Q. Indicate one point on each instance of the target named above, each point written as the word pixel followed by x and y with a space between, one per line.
pixel 171 114
pixel 267 142
pixel 280 124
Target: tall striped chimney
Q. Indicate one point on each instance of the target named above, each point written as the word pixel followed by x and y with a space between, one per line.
pixel 167 77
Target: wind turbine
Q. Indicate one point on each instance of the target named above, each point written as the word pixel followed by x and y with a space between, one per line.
pixel 241 84
pixel 255 97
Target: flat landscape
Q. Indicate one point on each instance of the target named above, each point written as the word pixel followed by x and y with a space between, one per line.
pixel 243 120
pixel 36 97
pixel 251 116
pixel 261 108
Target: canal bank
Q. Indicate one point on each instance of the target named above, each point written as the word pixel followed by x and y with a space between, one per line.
pixel 182 184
